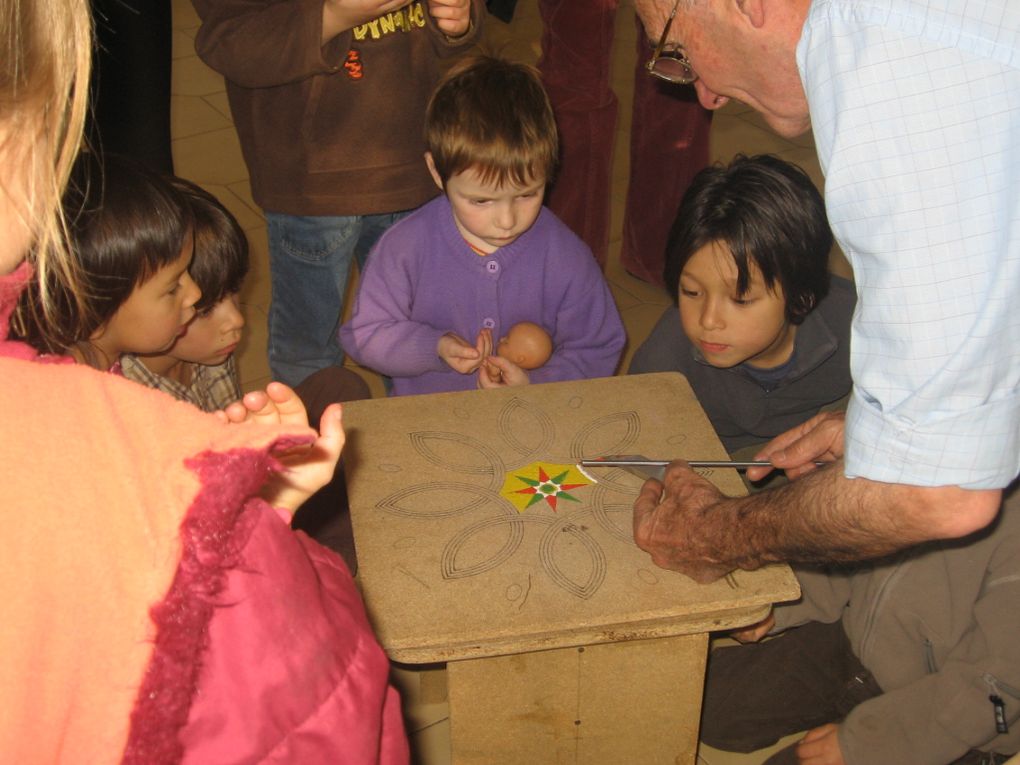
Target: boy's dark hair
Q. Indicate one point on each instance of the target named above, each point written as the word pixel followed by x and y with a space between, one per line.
pixel 767 212
pixel 125 223
pixel 494 116
pixel 220 262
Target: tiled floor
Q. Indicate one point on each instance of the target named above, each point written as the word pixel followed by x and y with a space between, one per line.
pixel 206 150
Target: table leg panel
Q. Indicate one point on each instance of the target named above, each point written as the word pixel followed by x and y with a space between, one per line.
pixel 629 702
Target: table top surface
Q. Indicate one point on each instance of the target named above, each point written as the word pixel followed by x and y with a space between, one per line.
pixel 477 535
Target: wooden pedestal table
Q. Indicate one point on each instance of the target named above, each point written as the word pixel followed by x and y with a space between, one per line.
pixel 481 544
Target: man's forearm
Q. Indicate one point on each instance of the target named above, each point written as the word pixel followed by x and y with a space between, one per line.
pixel 825 516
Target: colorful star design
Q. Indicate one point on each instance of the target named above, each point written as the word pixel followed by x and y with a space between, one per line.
pixel 540 481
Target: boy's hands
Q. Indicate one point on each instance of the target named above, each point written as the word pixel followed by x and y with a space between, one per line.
pixel 308 467
pixel 453 17
pixel 510 374
pixel 460 355
pixel 464 358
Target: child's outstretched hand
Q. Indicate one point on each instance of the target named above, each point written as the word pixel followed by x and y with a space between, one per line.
pixel 460 355
pixel 510 375
pixel 308 467
pixel 453 17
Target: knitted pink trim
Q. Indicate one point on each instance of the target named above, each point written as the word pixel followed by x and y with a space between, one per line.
pixel 213 535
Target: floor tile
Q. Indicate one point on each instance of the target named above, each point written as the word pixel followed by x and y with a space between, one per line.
pixel 184 15
pixel 191 77
pixel 213 157
pixel 191 115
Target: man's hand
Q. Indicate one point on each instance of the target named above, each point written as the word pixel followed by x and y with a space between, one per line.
pixel 308 467
pixel 666 522
pixel 453 17
pixel 797 450
pixel 460 355
pixel 820 746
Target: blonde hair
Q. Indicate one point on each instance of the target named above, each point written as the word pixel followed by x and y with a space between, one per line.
pixel 45 59
pixel 494 116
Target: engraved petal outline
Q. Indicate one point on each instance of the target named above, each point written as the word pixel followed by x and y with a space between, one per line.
pixel 632 428
pixel 542 420
pixel 600 510
pixel 475 497
pixel 458 541
pixel 420 443
pixel 547 556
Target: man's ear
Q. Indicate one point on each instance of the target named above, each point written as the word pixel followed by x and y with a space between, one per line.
pixel 432 170
pixel 753 11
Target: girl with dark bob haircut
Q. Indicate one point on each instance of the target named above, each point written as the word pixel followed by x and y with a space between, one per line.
pixel 125 224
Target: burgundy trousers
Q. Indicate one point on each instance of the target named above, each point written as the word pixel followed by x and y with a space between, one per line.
pixel 668 138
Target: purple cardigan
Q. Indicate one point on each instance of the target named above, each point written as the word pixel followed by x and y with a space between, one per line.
pixel 423 280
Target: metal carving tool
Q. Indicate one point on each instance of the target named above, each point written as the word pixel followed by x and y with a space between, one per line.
pixel 646 468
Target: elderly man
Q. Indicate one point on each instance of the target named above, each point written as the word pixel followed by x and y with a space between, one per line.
pixel 915 108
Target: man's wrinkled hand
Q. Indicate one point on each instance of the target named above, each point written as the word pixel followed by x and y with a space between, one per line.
pixel 667 516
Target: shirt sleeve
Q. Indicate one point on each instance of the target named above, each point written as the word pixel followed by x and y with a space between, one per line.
pixel 916 117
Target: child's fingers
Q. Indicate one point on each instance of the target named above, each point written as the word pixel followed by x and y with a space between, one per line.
pixel 484 343
pixel 452 17
pixel 449 8
pixel 468 354
pixel 289 407
pixel 234 413
pixel 261 409
pixel 241 411
pixel 486 378
pixel 331 431
pixel 509 373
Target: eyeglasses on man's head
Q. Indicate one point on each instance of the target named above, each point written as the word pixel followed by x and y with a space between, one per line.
pixel 671 63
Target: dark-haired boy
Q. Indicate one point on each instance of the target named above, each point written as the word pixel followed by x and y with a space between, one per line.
pixel 764 330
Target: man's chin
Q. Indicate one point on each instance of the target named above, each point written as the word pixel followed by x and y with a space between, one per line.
pixel 788 127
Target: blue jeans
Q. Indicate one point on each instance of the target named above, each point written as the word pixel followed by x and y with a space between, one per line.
pixel 309 264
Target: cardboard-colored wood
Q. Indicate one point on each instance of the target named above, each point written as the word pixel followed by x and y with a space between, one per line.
pixel 632 702
pixel 452 570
